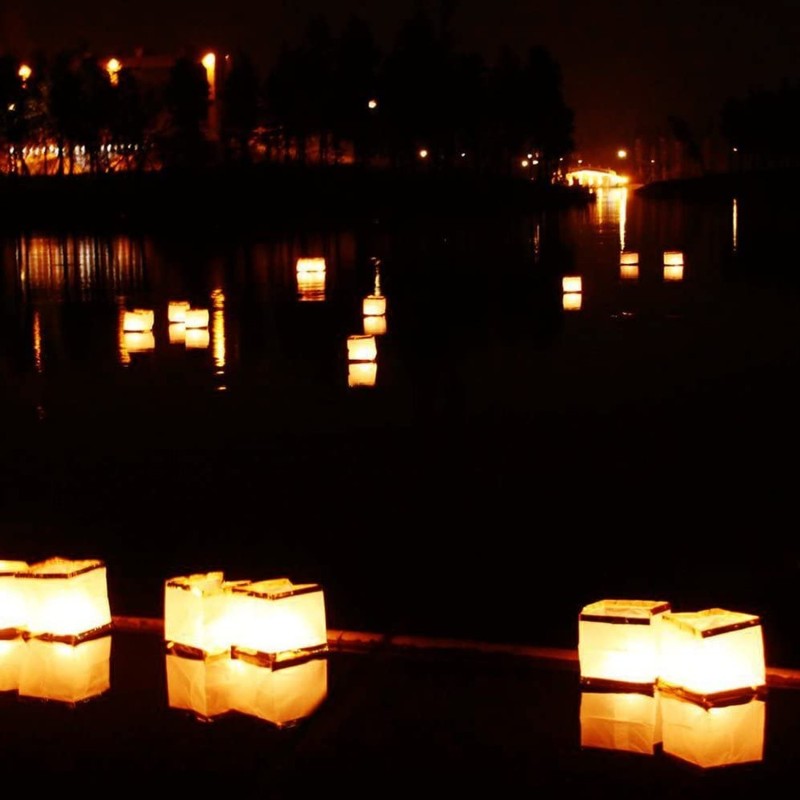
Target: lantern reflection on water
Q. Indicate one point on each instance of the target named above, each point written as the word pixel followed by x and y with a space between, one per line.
pixel 618 641
pixel 12 599
pixel 66 600
pixel 713 737
pixel 629 721
pixel 197 338
pixel 628 266
pixel 68 673
pixel 712 655
pixel 362 373
pixel 176 311
pixel 11 654
pixel 200 685
pixel 311 279
pixel 375 325
pixel 139 342
pixel 673 265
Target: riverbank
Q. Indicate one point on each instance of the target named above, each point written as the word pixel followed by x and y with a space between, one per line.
pixel 261 196
pixel 725 186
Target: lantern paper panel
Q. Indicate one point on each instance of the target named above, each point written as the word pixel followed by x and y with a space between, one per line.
pixel 282 697
pixel 279 621
pixel 362 373
pixel 12 652
pixel 306 265
pixel 571 283
pixel 373 305
pixel 13 616
pixel 139 320
pixel 198 613
pixel 628 258
pixel 200 685
pixel 139 342
pixel 673 272
pixel 618 641
pixel 197 338
pixel 361 347
pixel 176 311
pixel 713 654
pixel 66 673
pixel 375 325
pixel 713 737
pixel 195 318
pixel 628 721
pixel 177 333
pixel 629 272
pixel 66 600
pixel 572 301
pixel 673 258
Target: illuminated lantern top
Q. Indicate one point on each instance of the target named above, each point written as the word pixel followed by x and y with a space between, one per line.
pixel 66 600
pixel 712 655
pixel 673 258
pixel 310 264
pixel 361 347
pixel 628 257
pixel 618 641
pixel 278 621
pixel 374 305
pixel 176 311
pixel 571 283
pixel 138 320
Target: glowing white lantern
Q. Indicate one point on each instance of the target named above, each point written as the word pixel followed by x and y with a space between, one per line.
pixel 176 311
pixel 362 373
pixel 196 318
pixel 629 721
pixel 138 320
pixel 311 286
pixel 282 697
pixel 197 338
pixel 572 301
pixel 197 613
pixel 278 621
pixel 13 616
pixel 673 258
pixel 571 283
pixel 628 258
pixel 177 333
pixel 66 673
pixel 375 326
pixel 629 272
pixel 12 652
pixel 618 641
pixel 66 600
pixel 673 272
pixel 373 305
pixel 316 264
pixel 713 737
pixel 361 347
pixel 713 654
pixel 200 685
pixel 139 342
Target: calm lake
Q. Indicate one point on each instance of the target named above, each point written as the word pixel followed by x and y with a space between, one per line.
pixel 509 452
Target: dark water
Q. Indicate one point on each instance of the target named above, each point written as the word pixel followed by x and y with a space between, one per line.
pixel 512 462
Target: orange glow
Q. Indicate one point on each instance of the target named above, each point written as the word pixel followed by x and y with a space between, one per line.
pixel 139 320
pixel 423 153
pixel 571 283
pixel 375 325
pixel 362 373
pixel 315 264
pixel 673 273
pixel 12 597
pixel 196 318
pixel 209 61
pixel 113 67
pixel 361 348
pixel 373 305
pixel 622 153
pixel 176 311
pixel 571 301
pixel 629 272
pixel 218 327
pixel 673 258
pixel 627 721
pixel 372 104
pixel 24 72
pixel 596 178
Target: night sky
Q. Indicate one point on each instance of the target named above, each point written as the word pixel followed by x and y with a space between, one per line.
pixel 626 65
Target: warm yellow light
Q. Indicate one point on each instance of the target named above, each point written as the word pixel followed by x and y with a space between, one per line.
pixel 113 67
pixel 571 283
pixel 375 325
pixel 138 320
pixel 712 653
pixel 313 264
pixel 138 341
pixel 373 305
pixel 176 311
pixel 196 318
pixel 525 162
pixel 372 104
pixel 628 257
pixel 618 641
pixel 13 615
pixel 66 673
pixel 361 347
pixel 673 272
pixel 197 338
pixel 713 737
pixel 200 685
pixel 629 272
pixel 423 153
pixel 626 721
pixel 24 72
pixel 66 600
pixel 209 61
pixel 12 652
pixel 362 373
pixel 278 621
pixel 622 153
pixel 572 301
pixel 177 333
pixel 673 258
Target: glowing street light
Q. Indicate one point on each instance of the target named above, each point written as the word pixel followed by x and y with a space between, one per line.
pixel 372 104
pixel 423 153
pixel 621 153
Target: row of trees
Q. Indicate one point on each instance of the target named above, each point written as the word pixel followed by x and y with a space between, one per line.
pixel 339 92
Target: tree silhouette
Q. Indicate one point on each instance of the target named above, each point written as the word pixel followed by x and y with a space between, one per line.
pixel 240 107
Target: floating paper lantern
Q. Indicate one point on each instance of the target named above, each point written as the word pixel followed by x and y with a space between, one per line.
pixel 282 697
pixel 361 347
pixel 200 685
pixel 138 320
pixel 712 655
pixel 177 333
pixel 618 641
pixel 375 325
pixel 66 600
pixel 362 373
pixel 373 305
pixel 197 338
pixel 713 737
pixel 11 655
pixel 315 264
pixel 278 621
pixel 571 283
pixel 673 258
pixel 628 258
pixel 176 311
pixel 673 272
pixel 64 672
pixel 198 614
pixel 311 286
pixel 196 318
pixel 628 721
pixel 13 616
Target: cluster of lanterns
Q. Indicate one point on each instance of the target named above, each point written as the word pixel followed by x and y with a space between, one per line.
pixel 187 325
pixel 362 348
pixel 689 683
pixel 672 264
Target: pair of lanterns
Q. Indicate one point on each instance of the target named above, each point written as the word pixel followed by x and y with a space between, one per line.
pixel 709 656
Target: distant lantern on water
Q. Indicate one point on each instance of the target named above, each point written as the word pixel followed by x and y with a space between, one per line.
pixel 618 641
pixel 374 305
pixel 310 264
pixel 361 347
pixel 196 318
pixel 176 311
pixel 712 655
pixel 67 600
pixel 139 320
pixel 571 283
pixel 362 373
pixel 375 325
pixel 673 258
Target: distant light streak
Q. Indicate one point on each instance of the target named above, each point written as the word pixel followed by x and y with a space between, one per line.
pixel 735 223
pixel 37 341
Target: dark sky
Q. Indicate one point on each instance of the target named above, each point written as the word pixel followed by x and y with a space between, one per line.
pixel 626 64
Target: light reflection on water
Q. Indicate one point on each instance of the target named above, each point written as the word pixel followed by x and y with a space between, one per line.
pixel 499 409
